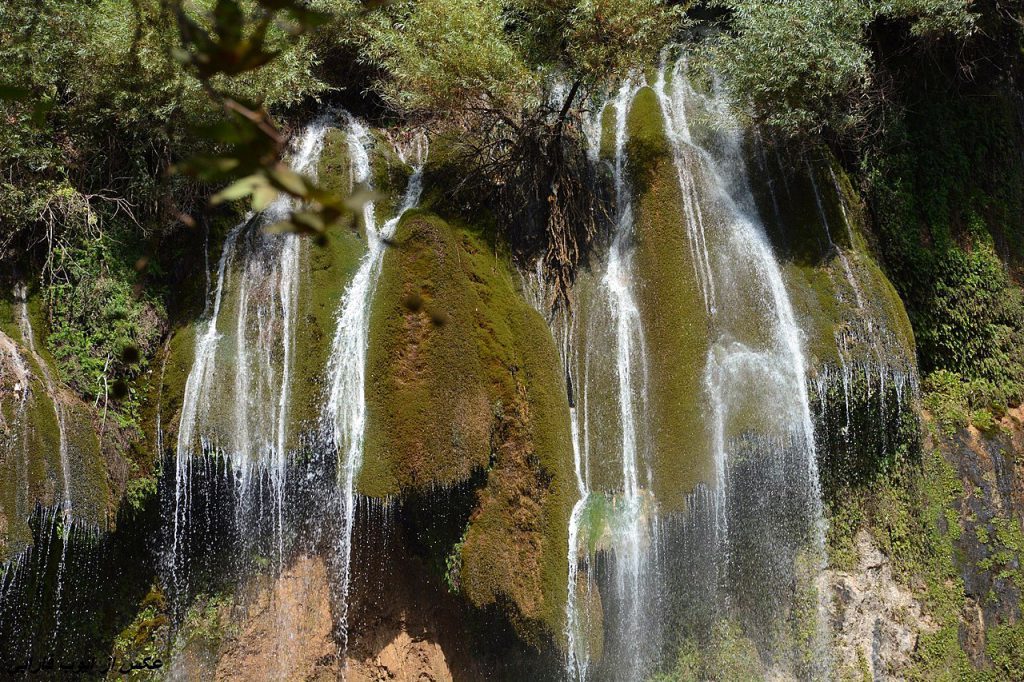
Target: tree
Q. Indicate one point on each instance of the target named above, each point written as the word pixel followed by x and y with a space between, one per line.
pixel 802 67
pixel 512 78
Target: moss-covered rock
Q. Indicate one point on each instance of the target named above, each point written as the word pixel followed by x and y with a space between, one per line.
pixel 29 447
pixel 848 309
pixel 430 369
pixel 672 310
pixel 463 376
pixel 327 269
pixel 35 412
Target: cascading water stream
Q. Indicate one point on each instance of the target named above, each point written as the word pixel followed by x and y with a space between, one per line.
pixel 65 526
pixel 564 329
pixel 345 410
pixel 626 516
pixel 28 336
pixel 631 373
pixel 755 380
pixel 252 434
pixel 17 448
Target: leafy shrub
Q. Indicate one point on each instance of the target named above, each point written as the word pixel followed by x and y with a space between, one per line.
pixel 947 189
pixel 973 320
pixel 801 66
pixel 102 330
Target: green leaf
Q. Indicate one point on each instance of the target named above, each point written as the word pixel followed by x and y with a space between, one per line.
pixel 263 195
pixel 237 190
pixel 288 180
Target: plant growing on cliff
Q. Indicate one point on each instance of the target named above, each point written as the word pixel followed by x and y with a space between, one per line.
pixel 506 87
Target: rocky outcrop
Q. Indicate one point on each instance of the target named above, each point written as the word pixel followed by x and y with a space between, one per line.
pixel 464 390
pixel 991 544
pixel 876 621
pixel 286 630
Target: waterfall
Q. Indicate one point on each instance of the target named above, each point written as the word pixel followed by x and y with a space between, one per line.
pixel 16 440
pixel 29 338
pixel 576 626
pixel 758 530
pixel 768 509
pixel 236 397
pixel 631 374
pixel 344 414
pixel 620 521
pixel 876 373
pixel 576 622
pixel 66 524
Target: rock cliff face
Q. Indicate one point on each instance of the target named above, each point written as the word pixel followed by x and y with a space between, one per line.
pixel 990 542
pixel 876 620
pixel 944 596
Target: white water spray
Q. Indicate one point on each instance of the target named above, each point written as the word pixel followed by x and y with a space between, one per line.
pixel 252 374
pixel 345 411
pixel 756 370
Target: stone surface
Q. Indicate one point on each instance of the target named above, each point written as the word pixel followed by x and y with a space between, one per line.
pixel 286 632
pixel 876 620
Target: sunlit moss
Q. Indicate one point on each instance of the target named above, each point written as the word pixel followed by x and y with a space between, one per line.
pixel 672 310
pixel 462 376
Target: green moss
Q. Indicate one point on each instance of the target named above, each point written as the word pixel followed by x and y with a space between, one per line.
pixel 146 636
pixel 813 296
pixel 389 175
pixel 90 491
pixel 1006 550
pixel 462 377
pixel 955 402
pixel 672 310
pixel 327 269
pixel 429 406
pixel 880 291
pixel 606 149
pixel 1004 645
pixel 180 356
pixel 199 640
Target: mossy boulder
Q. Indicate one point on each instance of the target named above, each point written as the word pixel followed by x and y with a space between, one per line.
pixel 819 228
pixel 463 377
pixel 175 366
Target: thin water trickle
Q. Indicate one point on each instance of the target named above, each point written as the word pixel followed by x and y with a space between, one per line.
pixel 345 410
pixel 65 506
pixel 29 338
